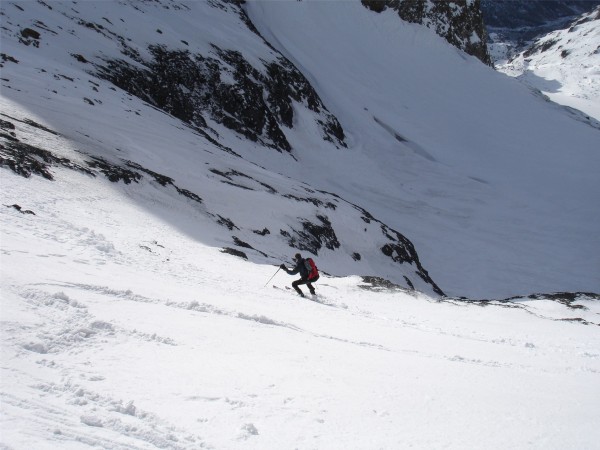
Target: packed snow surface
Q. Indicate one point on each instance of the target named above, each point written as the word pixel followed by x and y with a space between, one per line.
pixel 121 331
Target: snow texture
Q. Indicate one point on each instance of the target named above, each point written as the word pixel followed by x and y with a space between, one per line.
pixel 134 249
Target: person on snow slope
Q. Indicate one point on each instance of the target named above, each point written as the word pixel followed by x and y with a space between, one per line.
pixel 308 273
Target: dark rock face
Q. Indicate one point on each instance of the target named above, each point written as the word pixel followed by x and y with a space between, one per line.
pixel 30 37
pixel 6 58
pixel 401 250
pixel 567 299
pixel 540 48
pixel 237 241
pixel 113 172
pixel 313 236
pixel 234 252
pixel 460 22
pixel 227 89
pixel 227 223
pixel 25 160
pixel 242 181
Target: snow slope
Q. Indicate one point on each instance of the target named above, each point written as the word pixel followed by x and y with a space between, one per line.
pixel 243 195
pixel 459 159
pixel 468 159
pixel 564 65
pixel 122 331
pixel 123 325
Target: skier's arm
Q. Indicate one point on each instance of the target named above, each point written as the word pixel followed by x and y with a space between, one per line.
pixel 290 272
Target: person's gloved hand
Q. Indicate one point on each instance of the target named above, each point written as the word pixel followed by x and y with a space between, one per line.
pixel 282 266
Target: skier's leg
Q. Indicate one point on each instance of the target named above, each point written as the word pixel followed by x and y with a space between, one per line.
pixel 310 286
pixel 295 286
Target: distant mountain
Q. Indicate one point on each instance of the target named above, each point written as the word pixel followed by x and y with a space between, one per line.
pixel 564 64
pixel 515 14
pixel 513 24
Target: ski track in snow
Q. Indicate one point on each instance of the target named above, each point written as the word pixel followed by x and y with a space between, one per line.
pixel 80 358
pixel 78 325
pixel 72 323
pixel 67 327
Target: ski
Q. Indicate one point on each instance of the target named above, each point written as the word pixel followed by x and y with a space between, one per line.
pixel 317 298
pixel 287 289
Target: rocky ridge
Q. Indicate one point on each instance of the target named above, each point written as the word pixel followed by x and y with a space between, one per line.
pixel 460 22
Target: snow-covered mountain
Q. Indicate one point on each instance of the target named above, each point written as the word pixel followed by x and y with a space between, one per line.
pixel 522 14
pixel 512 25
pixel 233 102
pixel 460 22
pixel 362 139
pixel 564 64
pixel 160 159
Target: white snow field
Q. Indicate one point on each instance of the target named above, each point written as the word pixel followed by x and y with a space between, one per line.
pixel 121 331
pixel 124 326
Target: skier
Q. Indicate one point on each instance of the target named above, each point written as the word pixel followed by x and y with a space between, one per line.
pixel 308 273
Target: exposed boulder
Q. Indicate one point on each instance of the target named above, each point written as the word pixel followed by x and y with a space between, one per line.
pixel 20 209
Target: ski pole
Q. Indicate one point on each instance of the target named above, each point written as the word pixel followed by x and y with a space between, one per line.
pixel 272 276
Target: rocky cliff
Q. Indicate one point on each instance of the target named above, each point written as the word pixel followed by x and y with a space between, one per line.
pixel 460 22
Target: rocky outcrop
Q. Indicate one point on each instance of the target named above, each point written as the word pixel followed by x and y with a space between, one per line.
pixel 25 159
pixel 224 87
pixel 460 22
